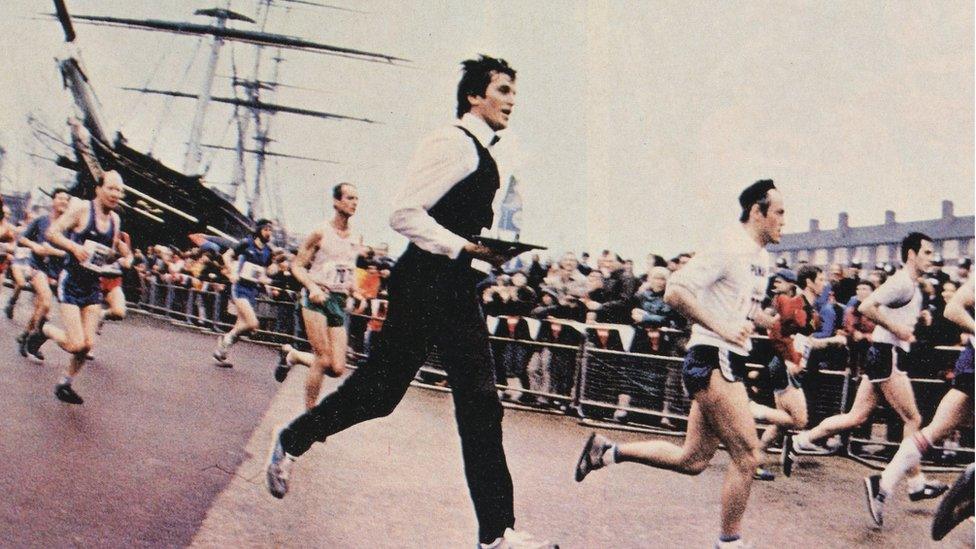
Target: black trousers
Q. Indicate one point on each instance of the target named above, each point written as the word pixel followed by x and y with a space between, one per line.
pixel 432 302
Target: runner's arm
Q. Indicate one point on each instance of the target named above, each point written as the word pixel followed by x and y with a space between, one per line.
pixel 957 308
pixel 684 301
pixel 299 266
pixel 56 232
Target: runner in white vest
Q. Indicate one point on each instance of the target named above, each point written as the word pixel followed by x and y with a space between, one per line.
pixel 721 291
pixel 326 267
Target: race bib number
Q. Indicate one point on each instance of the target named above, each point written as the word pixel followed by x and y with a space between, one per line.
pixel 336 276
pixel 100 259
pixel 251 272
pixel 801 344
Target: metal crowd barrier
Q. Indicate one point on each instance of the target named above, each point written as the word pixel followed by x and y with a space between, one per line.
pixel 613 375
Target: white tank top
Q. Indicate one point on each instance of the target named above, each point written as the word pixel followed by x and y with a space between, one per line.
pixel 901 299
pixel 334 263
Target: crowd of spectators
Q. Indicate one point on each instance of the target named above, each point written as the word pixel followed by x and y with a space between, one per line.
pixel 603 290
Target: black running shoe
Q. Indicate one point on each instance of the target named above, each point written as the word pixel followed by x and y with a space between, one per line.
pixel 931 490
pixel 762 473
pixel 22 344
pixel 65 393
pixel 281 371
pixel 956 507
pixel 33 345
pixel 591 458
pixel 9 310
pixel 788 456
pixel 875 498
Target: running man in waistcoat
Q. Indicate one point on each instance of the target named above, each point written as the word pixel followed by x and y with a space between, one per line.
pixel 445 199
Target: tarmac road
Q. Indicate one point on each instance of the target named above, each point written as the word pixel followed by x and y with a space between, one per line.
pixel 168 450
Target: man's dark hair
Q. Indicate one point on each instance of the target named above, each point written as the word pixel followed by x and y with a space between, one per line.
pixel 913 242
pixel 757 193
pixel 58 190
pixel 807 273
pixel 260 224
pixel 865 282
pixel 684 254
pixel 475 77
pixel 337 190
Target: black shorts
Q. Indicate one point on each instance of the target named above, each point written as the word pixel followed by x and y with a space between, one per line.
pixel 963 374
pixel 882 361
pixel 780 377
pixel 702 359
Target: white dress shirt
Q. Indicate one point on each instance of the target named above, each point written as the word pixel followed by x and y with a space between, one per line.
pixel 443 159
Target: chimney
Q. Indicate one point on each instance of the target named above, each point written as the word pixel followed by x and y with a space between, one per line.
pixel 889 217
pixel 814 225
pixel 842 221
pixel 947 208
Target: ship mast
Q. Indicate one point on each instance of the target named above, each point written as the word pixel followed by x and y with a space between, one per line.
pixel 194 154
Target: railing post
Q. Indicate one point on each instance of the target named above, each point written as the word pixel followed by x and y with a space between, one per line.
pixel 579 382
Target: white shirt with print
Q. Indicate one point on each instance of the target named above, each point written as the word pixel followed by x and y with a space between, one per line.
pixel 901 302
pixel 729 280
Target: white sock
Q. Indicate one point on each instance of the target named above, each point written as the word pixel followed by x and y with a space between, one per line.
pixel 66 380
pixel 907 457
pixel 609 455
pixel 801 439
pixel 916 483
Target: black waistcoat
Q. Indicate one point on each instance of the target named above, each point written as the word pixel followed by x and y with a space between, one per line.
pixel 466 208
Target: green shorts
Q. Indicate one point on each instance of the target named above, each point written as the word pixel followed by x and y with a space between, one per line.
pixel 334 308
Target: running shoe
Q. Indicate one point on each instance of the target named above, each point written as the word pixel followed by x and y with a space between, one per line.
pixel 518 540
pixel 22 344
pixel 762 473
pixel 956 506
pixel 281 371
pixel 592 457
pixel 32 345
pixel 876 499
pixel 737 544
pixel 65 393
pixel 278 469
pixel 788 456
pixel 931 490
pixel 220 353
pixel 9 310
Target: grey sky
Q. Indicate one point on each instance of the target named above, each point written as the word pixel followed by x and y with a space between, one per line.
pixel 636 123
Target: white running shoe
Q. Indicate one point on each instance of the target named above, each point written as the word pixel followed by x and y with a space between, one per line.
pixel 220 353
pixel 518 540
pixel 876 498
pixel 279 468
